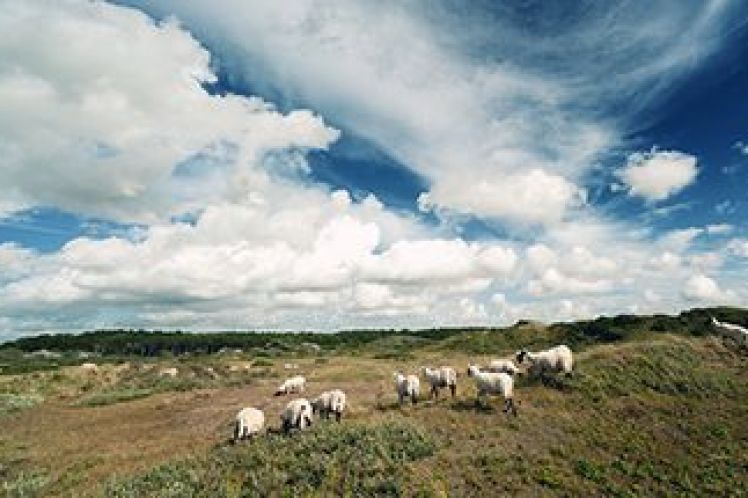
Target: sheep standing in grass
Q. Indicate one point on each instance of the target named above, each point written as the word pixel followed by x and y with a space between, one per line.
pixel 439 378
pixel 554 360
pixel 500 383
pixel 330 402
pixel 407 386
pixel 296 415
pixel 249 422
pixel 506 366
pixel 293 385
pixel 735 332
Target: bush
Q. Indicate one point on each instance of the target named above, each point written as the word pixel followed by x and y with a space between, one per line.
pixel 14 402
pixel 328 460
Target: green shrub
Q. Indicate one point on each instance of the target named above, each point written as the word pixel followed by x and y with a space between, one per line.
pixel 328 460
pixel 25 486
pixel 14 402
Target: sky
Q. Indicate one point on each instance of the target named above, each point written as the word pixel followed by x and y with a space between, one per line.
pixel 325 165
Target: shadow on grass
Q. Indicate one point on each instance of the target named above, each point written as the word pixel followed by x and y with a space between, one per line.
pixel 470 405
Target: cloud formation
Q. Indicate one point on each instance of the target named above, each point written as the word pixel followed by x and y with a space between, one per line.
pixel 657 175
pixel 260 245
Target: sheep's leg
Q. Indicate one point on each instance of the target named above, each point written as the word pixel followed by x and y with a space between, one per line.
pixel 400 398
pixel 435 391
pixel 337 416
pixel 236 433
pixel 414 398
pixel 453 388
pixel 509 406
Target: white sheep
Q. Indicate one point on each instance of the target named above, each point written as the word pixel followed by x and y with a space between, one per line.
pixel 90 367
pixel 330 402
pixel 735 332
pixel 293 385
pixel 297 415
pixel 556 359
pixel 407 386
pixel 500 383
pixel 506 366
pixel 249 422
pixel 168 372
pixel 439 378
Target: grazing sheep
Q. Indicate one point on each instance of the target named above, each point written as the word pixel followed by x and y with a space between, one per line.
pixel 735 332
pixel 439 378
pixel 500 383
pixel 168 372
pixel 407 386
pixel 90 367
pixel 556 359
pixel 506 366
pixel 330 402
pixel 292 385
pixel 296 415
pixel 249 422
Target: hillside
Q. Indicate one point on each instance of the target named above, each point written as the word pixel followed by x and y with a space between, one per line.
pixel 647 413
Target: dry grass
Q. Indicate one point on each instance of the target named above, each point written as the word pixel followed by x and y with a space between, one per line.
pixel 657 416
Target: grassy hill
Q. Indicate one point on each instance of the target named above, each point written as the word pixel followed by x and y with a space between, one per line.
pixel 657 407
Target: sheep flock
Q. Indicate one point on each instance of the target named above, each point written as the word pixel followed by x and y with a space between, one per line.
pixel 497 378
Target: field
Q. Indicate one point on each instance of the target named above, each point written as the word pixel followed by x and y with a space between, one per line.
pixel 650 413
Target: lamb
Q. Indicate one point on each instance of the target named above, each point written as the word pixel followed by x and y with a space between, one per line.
pixel 90 367
pixel 293 385
pixel 168 372
pixel 500 383
pixel 506 366
pixel 407 386
pixel 556 359
pixel 330 402
pixel 249 423
pixel 735 332
pixel 439 378
pixel 296 415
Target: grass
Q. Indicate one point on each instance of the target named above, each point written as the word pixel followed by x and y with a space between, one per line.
pixel 649 414
pixel 341 460
pixel 14 402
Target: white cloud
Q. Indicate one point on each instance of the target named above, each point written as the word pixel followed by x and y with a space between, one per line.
pixel 83 131
pixel 719 229
pixel 657 175
pixel 738 247
pixel 268 248
pixel 702 288
pixel 525 121
pixel 741 147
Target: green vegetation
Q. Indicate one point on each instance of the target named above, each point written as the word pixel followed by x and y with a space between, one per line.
pixel 656 407
pixel 340 460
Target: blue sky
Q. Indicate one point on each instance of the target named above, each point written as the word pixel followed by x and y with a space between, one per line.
pixel 241 165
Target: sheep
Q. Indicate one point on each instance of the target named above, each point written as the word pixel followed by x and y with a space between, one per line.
pixel 89 367
pixel 296 415
pixel 249 423
pixel 494 383
pixel 293 385
pixel 168 372
pixel 407 386
pixel 556 359
pixel 441 377
pixel 330 402
pixel 506 366
pixel 735 332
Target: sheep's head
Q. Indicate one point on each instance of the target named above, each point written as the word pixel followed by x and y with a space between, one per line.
pixel 279 392
pixel 521 355
pixel 472 370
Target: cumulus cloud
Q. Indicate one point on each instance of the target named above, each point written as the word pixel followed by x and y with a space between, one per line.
pixel 265 247
pixel 702 288
pixel 657 175
pixel 101 107
pixel 527 118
